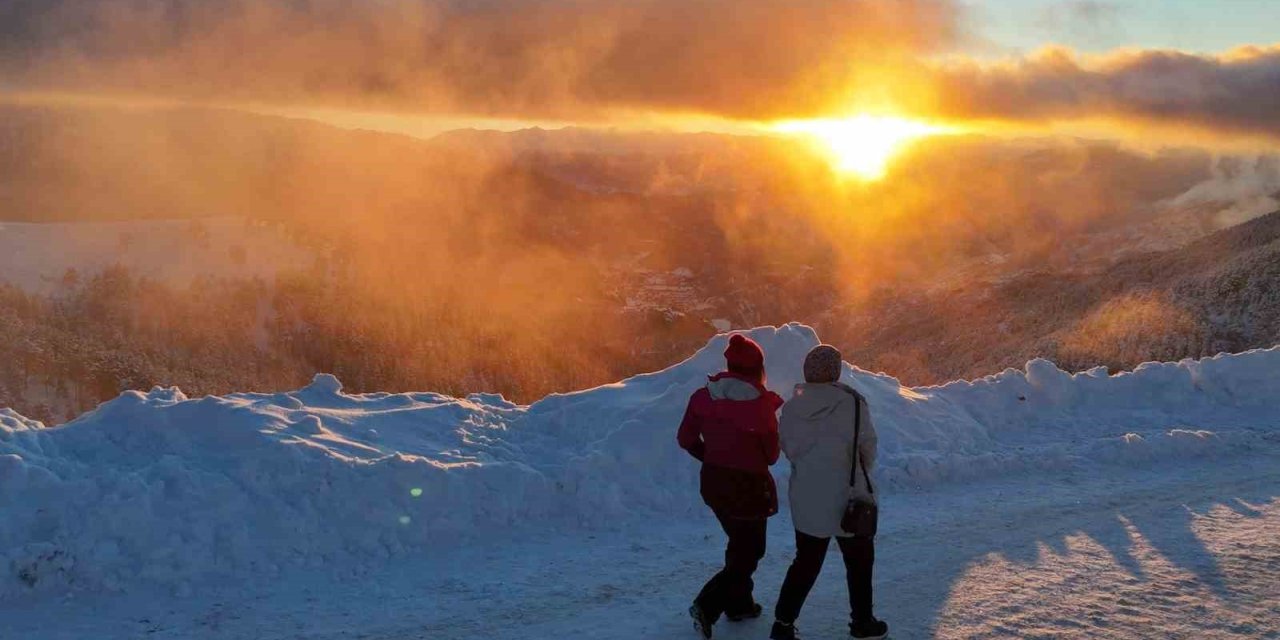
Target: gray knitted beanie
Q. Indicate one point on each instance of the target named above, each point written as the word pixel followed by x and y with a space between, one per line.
pixel 822 364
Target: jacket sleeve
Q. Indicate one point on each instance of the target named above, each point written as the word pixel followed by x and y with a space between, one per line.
pixel 797 441
pixel 772 443
pixel 689 436
pixel 787 438
pixel 867 439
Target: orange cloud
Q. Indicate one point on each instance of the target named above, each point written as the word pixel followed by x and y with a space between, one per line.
pixel 533 58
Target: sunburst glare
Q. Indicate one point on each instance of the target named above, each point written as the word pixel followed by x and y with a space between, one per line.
pixel 863 145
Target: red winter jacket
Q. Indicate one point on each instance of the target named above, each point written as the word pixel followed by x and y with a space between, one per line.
pixel 731 425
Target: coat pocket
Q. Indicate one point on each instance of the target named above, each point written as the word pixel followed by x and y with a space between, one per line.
pixel 735 493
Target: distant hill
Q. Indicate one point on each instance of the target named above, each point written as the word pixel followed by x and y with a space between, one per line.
pixel 101 163
pixel 1217 294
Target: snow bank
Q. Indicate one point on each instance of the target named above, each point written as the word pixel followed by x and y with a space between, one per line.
pixel 168 490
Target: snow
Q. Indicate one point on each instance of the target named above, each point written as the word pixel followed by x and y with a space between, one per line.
pixel 156 493
pixel 1188 552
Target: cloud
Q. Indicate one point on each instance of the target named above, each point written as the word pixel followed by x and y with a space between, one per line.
pixel 1235 92
pixel 585 60
pixel 525 58
pixel 1247 187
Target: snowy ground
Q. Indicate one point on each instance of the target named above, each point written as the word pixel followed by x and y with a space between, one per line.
pixel 1188 550
pixel 1031 504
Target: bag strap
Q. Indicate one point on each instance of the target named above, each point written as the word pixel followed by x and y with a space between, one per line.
pixel 857 453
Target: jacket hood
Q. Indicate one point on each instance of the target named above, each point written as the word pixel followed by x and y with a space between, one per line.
pixel 815 401
pixel 728 386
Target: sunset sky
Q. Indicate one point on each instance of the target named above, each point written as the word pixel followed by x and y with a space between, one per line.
pixel 1171 70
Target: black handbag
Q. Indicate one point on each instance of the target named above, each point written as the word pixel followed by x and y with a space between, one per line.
pixel 861 516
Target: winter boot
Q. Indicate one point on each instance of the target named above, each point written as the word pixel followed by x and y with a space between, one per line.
pixel 753 611
pixel 868 629
pixel 701 621
pixel 783 631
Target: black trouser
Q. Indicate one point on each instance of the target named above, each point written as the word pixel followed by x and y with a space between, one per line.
pixel 730 590
pixel 859 556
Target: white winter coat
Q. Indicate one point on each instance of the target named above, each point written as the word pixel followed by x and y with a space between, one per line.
pixel 816 429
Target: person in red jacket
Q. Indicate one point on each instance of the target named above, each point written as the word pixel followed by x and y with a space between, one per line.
pixel 731 426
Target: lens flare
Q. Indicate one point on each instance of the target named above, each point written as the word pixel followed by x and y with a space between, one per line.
pixel 863 145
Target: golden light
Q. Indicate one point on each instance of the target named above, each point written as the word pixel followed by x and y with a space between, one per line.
pixel 863 145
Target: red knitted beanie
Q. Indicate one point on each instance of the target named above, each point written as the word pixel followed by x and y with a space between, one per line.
pixel 744 356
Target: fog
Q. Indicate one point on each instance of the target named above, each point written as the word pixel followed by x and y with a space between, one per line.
pixel 538 261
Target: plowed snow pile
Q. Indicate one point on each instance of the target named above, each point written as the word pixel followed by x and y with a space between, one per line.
pixel 166 490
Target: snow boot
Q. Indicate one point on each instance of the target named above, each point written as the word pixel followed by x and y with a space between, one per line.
pixel 701 621
pixel 753 612
pixel 783 631
pixel 869 629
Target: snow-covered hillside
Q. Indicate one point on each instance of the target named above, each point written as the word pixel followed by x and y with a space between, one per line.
pixel 161 490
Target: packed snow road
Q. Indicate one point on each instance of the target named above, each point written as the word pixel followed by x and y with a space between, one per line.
pixel 1165 550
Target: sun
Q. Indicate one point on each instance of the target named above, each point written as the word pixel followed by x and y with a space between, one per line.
pixel 863 145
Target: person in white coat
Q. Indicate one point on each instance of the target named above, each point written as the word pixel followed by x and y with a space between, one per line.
pixel 817 430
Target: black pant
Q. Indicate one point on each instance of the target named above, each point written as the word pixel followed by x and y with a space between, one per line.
pixel 730 590
pixel 859 556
